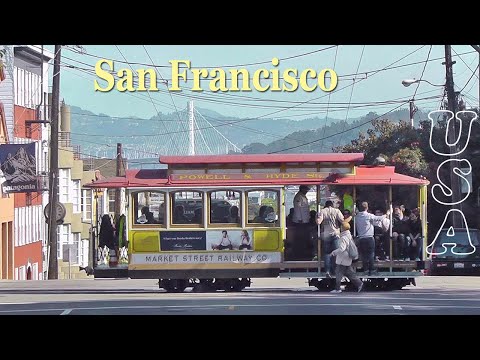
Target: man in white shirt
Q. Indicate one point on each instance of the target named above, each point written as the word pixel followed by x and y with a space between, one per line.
pixel 301 211
pixel 301 249
pixel 330 218
pixel 365 231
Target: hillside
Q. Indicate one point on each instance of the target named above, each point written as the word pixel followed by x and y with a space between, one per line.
pixel 98 133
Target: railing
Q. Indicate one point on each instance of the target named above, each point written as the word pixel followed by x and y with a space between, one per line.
pixel 76 152
pixel 64 139
pixel 103 258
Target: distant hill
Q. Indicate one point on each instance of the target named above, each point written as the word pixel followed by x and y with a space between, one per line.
pixel 250 135
pixel 325 138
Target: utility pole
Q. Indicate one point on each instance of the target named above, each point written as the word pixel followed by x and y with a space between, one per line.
pixel 53 176
pixel 452 131
pixel 119 172
pixel 412 112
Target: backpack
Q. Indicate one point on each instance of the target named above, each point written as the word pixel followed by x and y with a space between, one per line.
pixel 352 250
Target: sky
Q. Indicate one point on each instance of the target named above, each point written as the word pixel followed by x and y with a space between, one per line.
pixel 353 96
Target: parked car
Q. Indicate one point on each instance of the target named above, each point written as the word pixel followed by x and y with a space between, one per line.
pixel 462 259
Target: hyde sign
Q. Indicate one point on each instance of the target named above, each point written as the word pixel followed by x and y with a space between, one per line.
pixel 457 170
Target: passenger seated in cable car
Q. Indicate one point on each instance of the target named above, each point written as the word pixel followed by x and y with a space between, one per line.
pixel 197 216
pixel 146 217
pixel 260 218
pixel 179 216
pixel 233 216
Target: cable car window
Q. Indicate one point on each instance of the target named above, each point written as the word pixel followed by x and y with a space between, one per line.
pixel 149 207
pixel 225 207
pixel 187 207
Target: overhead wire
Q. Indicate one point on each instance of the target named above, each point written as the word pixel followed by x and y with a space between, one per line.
pixel 351 95
pixel 332 135
pixel 211 66
pixel 148 92
pixel 287 108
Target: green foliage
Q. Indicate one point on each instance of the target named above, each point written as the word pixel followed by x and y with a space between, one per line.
pixel 408 149
pixel 397 142
pixel 324 135
pixel 410 161
pixel 255 148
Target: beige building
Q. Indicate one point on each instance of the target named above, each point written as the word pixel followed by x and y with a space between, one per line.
pixel 75 233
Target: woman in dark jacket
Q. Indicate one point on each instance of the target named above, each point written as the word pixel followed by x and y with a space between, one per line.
pixel 106 236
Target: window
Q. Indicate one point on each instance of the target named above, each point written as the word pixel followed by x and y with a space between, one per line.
pixel 111 201
pixel 76 196
pixel 100 206
pixel 63 185
pixel 149 207
pixel 21 273
pixel 27 88
pixel 35 272
pixel 45 161
pixel 225 207
pixel 187 207
pixel 86 205
pixel 461 239
pixel 263 207
pixel 63 233
pixel 83 258
pixel 75 249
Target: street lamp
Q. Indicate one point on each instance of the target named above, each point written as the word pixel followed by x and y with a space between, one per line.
pixel 407 83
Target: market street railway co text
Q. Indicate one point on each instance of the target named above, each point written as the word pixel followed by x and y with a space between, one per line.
pixel 219 258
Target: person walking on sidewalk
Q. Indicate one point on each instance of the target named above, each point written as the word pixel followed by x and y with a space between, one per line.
pixel 344 261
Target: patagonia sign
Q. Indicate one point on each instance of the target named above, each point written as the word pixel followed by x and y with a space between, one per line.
pixel 18 172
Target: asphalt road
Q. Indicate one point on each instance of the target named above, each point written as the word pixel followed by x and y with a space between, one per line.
pixel 431 296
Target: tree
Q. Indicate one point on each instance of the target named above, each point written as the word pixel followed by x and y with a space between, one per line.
pixel 396 142
pixel 410 161
pixel 408 149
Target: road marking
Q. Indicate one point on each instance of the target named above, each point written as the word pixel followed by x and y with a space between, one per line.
pixel 212 306
pixel 66 311
pixel 231 307
pixel 397 307
pixel 17 303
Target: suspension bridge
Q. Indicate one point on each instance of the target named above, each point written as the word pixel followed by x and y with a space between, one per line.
pixel 192 134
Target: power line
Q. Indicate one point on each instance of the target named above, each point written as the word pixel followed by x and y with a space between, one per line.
pixel 465 62
pixel 351 94
pixel 171 97
pixel 226 66
pixel 237 104
pixel 329 136
pixel 148 92
pixel 423 71
pixel 328 102
pixel 224 123
pixel 312 99
pixel 156 154
pixel 210 67
pixel 471 77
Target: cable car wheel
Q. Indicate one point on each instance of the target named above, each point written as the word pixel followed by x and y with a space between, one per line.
pixel 229 285
pixel 204 285
pixel 173 285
